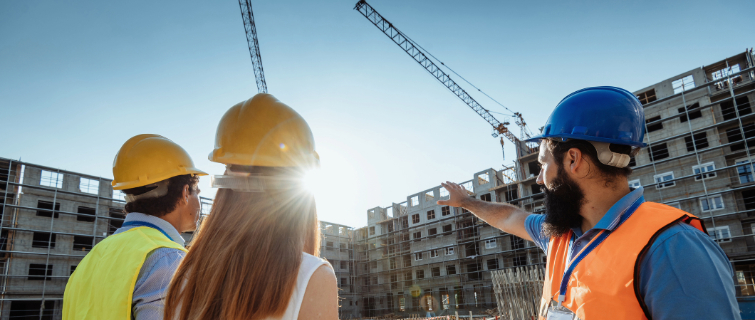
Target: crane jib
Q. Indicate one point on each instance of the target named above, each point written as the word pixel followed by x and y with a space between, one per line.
pixel 254 47
pixel 398 37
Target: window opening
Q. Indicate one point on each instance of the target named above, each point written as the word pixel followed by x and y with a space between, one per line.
pixel 483 178
pixel 490 244
pixel 707 170
pixel 720 234
pixel 486 197
pixel 534 168
pixel 450 269
pixel 449 251
pixel 88 211
pixel 40 272
pixel 51 179
pixel 447 228
pixel 48 206
pixel 711 203
pixel 743 106
pixel 653 127
pixel 683 84
pixel 89 185
pixel 445 210
pixel 520 261
pixel 41 240
pixel 744 172
pixel 414 201
pixel 492 264
pixel 701 141
pixel 431 214
pixel 663 180
pixel 647 97
pixel 658 152
pixel 693 111
pixel 725 72
pixel 82 243
pixel 635 184
pixel 418 256
pixel 733 134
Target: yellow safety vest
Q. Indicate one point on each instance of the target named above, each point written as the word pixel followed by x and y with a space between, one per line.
pixel 102 286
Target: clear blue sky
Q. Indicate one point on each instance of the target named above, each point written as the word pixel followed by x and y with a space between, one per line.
pixel 77 79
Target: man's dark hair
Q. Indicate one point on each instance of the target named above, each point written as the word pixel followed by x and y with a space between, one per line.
pixel 559 149
pixel 161 206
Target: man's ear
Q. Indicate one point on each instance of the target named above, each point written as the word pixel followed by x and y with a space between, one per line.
pixel 185 194
pixel 573 160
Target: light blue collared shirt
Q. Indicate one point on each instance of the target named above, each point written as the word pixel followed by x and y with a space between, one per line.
pixel 685 275
pixel 154 277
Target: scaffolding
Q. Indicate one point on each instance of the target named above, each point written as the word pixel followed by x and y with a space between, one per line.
pixel 439 263
pixel 49 219
pixel 337 246
pixel 709 177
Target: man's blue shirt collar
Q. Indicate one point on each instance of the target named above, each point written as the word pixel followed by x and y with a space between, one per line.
pixel 612 218
pixel 160 223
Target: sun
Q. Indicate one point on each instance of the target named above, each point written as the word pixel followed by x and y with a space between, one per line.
pixel 312 180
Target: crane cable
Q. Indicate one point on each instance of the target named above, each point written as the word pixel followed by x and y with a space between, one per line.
pixel 449 68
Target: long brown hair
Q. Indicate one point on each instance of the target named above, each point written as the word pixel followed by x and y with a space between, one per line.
pixel 246 255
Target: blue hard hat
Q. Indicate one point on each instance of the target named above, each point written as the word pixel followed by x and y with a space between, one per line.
pixel 602 114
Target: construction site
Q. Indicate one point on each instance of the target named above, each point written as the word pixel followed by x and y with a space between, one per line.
pixel 415 258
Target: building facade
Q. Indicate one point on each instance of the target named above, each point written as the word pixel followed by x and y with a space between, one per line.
pixel 415 256
pixel 49 220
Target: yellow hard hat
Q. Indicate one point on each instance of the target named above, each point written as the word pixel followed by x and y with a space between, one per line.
pixel 148 158
pixel 263 131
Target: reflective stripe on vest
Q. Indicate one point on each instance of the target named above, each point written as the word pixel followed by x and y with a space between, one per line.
pixel 605 284
pixel 102 286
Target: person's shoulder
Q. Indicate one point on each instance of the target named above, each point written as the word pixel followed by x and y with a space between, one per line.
pixel 681 230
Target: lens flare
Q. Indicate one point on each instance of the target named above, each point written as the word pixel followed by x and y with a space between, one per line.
pixel 312 180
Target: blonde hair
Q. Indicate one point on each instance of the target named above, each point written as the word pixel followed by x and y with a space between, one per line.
pixel 246 255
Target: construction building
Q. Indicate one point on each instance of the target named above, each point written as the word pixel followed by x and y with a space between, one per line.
pixel 49 220
pixel 416 256
pixel 337 246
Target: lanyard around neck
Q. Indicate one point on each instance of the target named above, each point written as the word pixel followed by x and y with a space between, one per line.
pixel 145 224
pixel 590 246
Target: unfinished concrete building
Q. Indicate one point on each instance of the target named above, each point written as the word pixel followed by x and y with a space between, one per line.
pixel 416 256
pixel 49 220
pixel 337 246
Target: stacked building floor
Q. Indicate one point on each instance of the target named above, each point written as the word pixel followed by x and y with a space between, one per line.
pixel 415 256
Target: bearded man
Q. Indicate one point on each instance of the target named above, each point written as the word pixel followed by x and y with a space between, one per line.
pixel 611 254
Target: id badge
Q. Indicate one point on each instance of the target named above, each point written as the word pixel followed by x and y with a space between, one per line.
pixel 559 313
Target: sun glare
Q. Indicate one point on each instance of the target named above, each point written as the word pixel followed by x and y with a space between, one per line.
pixel 312 180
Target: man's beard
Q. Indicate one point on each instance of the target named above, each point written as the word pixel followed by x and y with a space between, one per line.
pixel 562 205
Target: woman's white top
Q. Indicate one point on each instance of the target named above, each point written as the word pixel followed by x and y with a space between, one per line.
pixel 309 264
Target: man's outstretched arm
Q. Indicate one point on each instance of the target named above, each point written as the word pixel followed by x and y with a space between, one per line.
pixel 500 215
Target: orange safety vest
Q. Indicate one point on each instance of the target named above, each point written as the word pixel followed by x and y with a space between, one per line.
pixel 605 284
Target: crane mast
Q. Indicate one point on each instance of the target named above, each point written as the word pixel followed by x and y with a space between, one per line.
pixel 408 46
pixel 254 47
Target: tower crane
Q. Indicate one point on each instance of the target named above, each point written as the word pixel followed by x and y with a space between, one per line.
pixel 254 47
pixel 414 51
